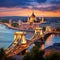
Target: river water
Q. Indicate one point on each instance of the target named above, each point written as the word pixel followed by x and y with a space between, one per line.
pixel 7 37
pixel 52 39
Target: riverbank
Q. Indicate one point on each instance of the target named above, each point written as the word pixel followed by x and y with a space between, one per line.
pixel 15 28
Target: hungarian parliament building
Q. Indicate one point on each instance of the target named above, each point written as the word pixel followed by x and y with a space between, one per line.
pixel 33 23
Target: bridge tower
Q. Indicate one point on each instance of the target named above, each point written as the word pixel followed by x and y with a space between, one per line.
pixel 39 30
pixel 48 29
pixel 20 36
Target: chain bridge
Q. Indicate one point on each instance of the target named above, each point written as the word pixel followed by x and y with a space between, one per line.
pixel 17 47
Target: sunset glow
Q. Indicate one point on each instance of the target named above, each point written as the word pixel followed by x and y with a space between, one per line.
pixel 27 12
pixel 45 8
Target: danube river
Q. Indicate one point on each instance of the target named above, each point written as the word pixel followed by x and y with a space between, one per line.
pixel 7 37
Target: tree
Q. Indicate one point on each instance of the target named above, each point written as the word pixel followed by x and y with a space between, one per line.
pixel 27 56
pixel 3 55
pixel 54 56
pixel 34 54
pixel 15 24
pixel 58 29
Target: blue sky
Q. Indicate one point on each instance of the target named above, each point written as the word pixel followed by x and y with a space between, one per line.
pixel 34 4
pixel 24 7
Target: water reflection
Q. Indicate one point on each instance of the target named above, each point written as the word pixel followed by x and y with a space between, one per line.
pixel 49 40
pixel 7 36
pixel 52 39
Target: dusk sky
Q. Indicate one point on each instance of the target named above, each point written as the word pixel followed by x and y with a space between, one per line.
pixel 47 8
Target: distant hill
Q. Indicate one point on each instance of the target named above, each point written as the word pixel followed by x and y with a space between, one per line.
pixel 15 18
pixel 53 19
pixel 24 18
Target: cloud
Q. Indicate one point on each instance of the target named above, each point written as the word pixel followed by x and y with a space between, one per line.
pixel 44 5
pixel 54 1
pixel 9 9
pixel 48 7
pixel 41 1
pixel 13 3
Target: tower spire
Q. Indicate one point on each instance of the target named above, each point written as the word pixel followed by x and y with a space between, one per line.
pixel 33 13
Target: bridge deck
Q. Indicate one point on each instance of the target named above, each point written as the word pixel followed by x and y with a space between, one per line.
pixel 19 48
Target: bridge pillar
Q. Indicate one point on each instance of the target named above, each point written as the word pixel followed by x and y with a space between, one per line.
pixel 23 39
pixel 42 47
pixel 39 30
pixel 20 36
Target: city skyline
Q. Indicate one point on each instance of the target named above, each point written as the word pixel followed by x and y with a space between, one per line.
pixel 44 8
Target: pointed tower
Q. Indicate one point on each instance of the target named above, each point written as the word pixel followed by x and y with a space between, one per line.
pixel 10 21
pixel 32 18
pixel 33 15
pixel 42 20
pixel 19 22
pixel 28 20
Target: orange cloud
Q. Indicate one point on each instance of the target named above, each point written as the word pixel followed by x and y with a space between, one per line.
pixel 27 12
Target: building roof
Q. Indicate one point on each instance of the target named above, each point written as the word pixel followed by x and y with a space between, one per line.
pixel 33 15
